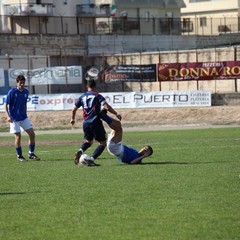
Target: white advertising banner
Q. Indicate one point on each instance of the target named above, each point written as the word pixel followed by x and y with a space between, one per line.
pixel 48 75
pixel 158 99
pixel 2 81
pixel 44 102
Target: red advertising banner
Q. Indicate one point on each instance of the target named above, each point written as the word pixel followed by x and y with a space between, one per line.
pixel 198 71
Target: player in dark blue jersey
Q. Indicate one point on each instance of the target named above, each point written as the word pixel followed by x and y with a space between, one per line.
pixel 115 147
pixel 91 103
pixel 15 107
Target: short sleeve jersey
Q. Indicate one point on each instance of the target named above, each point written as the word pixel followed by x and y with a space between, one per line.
pixel 91 103
pixel 129 154
pixel 17 104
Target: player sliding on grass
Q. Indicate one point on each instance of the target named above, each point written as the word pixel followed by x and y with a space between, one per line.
pixel 115 147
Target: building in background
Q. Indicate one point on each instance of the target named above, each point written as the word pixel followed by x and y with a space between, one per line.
pixel 211 17
pixel 93 16
pixel 46 16
pixel 156 17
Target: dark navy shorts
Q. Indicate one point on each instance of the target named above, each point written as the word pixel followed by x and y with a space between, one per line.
pixel 94 130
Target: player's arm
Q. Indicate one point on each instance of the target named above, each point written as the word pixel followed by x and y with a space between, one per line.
pixel 73 115
pixel 6 112
pixel 111 110
pixel 137 160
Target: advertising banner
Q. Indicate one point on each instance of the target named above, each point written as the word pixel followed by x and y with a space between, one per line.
pixel 43 102
pixel 159 99
pixel 49 75
pixel 131 73
pixel 198 71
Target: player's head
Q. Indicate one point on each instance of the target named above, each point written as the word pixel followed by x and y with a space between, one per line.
pixel 91 83
pixel 20 78
pixel 147 150
pixel 20 82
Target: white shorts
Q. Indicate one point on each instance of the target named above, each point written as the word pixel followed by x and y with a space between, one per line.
pixel 113 148
pixel 20 126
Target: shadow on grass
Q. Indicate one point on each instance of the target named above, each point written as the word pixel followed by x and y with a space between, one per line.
pixel 65 159
pixel 152 163
pixel 56 160
pixel 156 163
pixel 181 163
pixel 16 193
pixel 12 193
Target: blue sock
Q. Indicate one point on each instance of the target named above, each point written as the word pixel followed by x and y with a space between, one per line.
pixel 31 148
pixel 98 151
pixel 19 151
pixel 85 146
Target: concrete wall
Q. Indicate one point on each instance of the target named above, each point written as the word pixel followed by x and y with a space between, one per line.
pixel 100 50
pixel 111 44
pixel 107 45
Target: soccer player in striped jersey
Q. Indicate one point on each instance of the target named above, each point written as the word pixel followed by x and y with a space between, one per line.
pixel 91 103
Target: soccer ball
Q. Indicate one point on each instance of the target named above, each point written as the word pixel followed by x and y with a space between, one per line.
pixel 84 156
pixel 92 73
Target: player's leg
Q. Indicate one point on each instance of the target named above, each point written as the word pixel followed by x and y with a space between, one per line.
pixel 115 125
pixel 18 146
pixel 31 135
pixel 87 144
pixel 114 142
pixel 100 136
pixel 15 128
pixel 88 136
pixel 27 126
pixel 117 130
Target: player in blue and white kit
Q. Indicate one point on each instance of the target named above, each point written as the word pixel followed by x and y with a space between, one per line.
pixel 115 147
pixel 15 107
pixel 91 103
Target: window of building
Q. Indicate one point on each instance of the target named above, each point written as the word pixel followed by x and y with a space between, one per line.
pixel 187 25
pixel 203 21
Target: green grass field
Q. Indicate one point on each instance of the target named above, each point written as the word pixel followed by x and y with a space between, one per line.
pixel 189 189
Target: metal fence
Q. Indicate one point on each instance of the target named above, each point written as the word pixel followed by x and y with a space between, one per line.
pixel 59 25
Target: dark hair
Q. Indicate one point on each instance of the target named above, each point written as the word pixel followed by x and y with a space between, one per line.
pixel 20 78
pixel 150 148
pixel 91 83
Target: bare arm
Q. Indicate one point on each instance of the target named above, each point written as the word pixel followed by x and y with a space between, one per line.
pixel 7 113
pixel 111 110
pixel 137 160
pixel 73 115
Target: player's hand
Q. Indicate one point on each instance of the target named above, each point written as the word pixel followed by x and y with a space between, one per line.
pixel 72 122
pixel 119 116
pixel 9 120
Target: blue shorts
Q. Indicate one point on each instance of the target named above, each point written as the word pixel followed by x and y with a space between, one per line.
pixel 94 130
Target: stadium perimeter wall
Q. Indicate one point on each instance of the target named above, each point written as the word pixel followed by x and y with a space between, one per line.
pixel 216 86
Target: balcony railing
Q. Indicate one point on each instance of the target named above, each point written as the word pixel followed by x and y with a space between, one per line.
pixel 28 9
pixel 93 10
pixel 39 23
